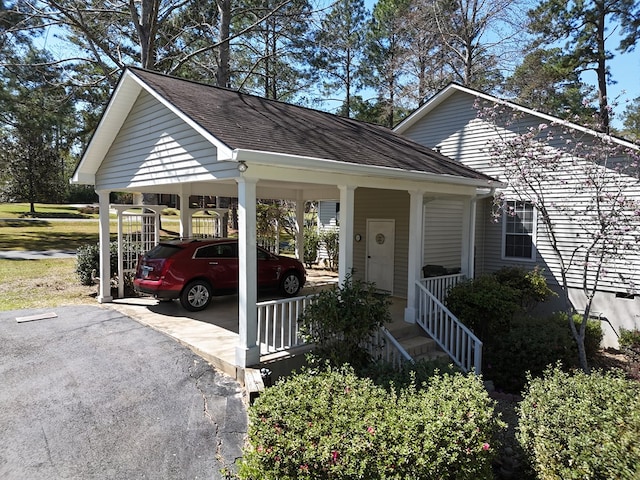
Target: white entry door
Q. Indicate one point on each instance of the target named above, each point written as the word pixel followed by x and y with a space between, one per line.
pixel 380 249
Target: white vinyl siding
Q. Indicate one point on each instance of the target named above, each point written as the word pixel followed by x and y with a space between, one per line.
pixel 443 232
pixel 328 214
pixel 453 128
pixel 328 219
pixel 156 147
pixel 388 204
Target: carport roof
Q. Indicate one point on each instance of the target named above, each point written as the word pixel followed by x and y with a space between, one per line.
pixel 247 122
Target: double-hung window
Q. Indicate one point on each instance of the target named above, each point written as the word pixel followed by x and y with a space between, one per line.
pixel 518 231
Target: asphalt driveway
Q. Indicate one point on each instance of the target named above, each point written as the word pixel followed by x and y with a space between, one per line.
pixel 92 394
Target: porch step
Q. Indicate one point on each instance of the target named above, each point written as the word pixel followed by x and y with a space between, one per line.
pixel 417 343
pixel 402 330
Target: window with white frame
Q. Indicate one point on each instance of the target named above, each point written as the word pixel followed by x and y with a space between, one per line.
pixel 518 230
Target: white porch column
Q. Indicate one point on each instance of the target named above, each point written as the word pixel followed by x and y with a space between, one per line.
pixel 300 226
pixel 185 212
pixel 120 255
pixel 247 351
pixel 468 237
pixel 345 254
pixel 104 294
pixel 414 270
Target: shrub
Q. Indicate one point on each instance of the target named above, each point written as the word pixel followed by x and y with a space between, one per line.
pixel 592 336
pixel 331 241
pixel 311 246
pixel 338 426
pixel 530 286
pixel 581 426
pixel 630 343
pixel 532 344
pixel 484 305
pixel 488 303
pixel 341 319
pixel 89 210
pixel 386 374
pixel 88 261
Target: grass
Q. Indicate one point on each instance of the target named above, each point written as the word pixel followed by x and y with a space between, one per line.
pixel 21 210
pixel 48 282
pixel 54 227
pixel 41 284
pixel 43 234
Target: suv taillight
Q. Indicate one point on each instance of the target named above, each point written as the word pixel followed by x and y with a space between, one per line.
pixel 164 268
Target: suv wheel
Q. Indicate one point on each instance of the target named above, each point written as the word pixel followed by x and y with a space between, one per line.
pixel 196 296
pixel 290 284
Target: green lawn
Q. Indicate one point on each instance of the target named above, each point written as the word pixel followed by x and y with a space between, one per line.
pixel 49 282
pixel 41 284
pixel 57 227
pixel 42 234
pixel 21 210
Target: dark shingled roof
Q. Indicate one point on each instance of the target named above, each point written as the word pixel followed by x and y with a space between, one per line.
pixel 253 123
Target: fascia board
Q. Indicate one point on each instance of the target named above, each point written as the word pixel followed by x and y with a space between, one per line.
pixel 345 168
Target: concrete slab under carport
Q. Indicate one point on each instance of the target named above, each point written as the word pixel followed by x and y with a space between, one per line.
pixel 213 332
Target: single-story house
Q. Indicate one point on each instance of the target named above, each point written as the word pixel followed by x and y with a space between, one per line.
pixel 402 204
pixel 449 123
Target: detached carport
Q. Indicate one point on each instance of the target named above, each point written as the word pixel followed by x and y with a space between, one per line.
pixel 161 134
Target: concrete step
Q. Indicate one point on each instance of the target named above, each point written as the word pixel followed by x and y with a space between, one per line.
pixel 419 345
pixel 416 341
pixel 433 355
pixel 406 330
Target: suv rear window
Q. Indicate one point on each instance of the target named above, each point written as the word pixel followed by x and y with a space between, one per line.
pixel 163 250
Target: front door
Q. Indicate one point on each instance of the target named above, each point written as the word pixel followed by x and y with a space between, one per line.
pixel 380 250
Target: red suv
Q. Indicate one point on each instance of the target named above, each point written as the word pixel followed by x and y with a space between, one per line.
pixel 194 270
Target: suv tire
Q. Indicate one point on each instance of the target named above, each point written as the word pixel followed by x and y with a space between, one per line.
pixel 290 284
pixel 196 296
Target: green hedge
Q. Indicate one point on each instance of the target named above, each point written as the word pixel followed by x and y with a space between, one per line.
pixel 630 343
pixel 530 345
pixel 581 426
pixel 488 303
pixel 335 425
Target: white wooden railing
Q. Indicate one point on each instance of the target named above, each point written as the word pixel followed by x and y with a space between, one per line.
pixel 278 331
pixel 278 323
pixel 439 286
pixel 464 348
pixel 384 347
pixel 278 327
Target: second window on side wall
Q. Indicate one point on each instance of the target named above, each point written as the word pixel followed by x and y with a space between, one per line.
pixel 518 230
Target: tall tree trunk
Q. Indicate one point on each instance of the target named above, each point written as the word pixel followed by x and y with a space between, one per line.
pixel 601 69
pixel 146 23
pixel 223 76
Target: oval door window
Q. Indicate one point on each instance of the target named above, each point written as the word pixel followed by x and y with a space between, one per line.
pixel 380 239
